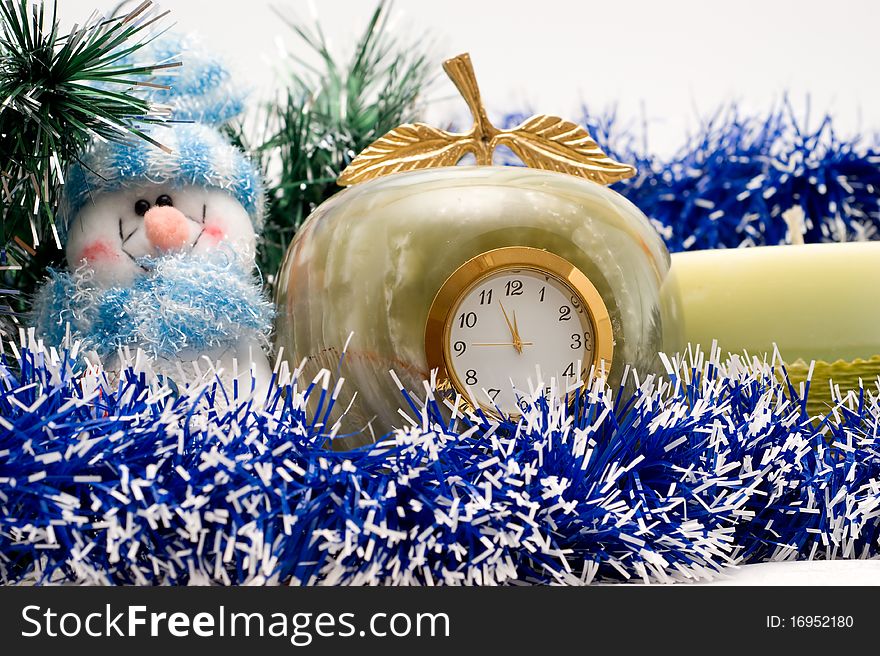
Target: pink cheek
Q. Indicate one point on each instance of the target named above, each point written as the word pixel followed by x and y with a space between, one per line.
pixel 214 232
pixel 99 251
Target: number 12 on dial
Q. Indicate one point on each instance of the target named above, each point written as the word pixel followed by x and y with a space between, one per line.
pixel 511 319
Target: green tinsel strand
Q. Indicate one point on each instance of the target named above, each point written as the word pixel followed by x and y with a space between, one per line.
pixel 328 115
pixel 57 93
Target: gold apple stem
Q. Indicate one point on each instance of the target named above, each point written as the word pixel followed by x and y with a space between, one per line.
pixel 461 72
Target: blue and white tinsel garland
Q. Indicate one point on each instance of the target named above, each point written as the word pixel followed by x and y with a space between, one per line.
pixel 123 480
pixel 730 183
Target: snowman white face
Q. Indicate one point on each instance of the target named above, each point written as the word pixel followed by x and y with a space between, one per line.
pixel 112 233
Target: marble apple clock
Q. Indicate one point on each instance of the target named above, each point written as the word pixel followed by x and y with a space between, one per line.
pixel 497 283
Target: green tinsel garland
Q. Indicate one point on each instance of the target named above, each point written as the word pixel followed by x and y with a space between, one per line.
pixel 57 93
pixel 326 116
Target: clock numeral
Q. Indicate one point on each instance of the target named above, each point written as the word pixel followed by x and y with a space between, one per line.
pixel 577 341
pixel 467 320
pixel 569 370
pixel 486 297
pixel 565 313
pixel 493 394
pixel 471 377
pixel 541 293
pixel 576 303
pixel 523 405
pixel 514 287
pixel 459 347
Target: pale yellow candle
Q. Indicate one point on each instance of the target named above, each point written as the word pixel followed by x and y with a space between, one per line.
pixel 815 302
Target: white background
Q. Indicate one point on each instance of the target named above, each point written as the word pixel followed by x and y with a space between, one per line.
pixel 671 61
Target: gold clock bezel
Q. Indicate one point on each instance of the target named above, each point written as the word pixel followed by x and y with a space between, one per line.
pixel 448 297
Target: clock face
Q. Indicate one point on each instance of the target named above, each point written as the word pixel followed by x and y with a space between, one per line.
pixel 511 328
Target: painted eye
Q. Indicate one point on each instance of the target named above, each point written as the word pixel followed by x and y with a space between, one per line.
pixel 142 207
pixel 164 201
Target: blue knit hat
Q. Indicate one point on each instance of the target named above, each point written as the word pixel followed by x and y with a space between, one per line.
pixel 203 97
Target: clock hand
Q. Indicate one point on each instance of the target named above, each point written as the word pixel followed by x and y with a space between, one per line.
pixel 516 331
pixel 502 344
pixel 516 342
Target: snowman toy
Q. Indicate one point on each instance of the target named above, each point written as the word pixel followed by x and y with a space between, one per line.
pixel 160 242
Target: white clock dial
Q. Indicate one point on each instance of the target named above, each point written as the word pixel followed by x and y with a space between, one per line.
pixel 515 329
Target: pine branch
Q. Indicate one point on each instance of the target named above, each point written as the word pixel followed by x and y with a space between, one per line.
pixel 57 93
pixel 327 116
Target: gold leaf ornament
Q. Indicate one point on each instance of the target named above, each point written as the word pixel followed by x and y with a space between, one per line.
pixel 542 142
pixel 407 147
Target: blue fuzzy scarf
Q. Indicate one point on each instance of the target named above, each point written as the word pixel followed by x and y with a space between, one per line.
pixel 183 303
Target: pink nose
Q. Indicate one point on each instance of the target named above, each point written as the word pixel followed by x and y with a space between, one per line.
pixel 166 228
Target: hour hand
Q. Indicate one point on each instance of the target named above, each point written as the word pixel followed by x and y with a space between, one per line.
pixel 514 335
